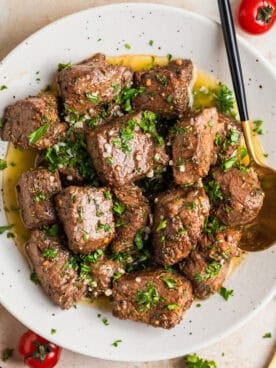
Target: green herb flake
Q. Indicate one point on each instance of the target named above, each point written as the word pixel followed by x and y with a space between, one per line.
pixel 169 282
pixel 225 293
pixel 192 206
pixel 10 235
pixel 3 87
pixel 198 305
pixel 34 278
pixel 148 125
pixel 49 253
pixel 118 208
pixel 258 127
pixel 162 79
pixel 213 191
pixel 162 225
pixel 109 160
pixel 169 99
pixel 228 163
pixel 211 270
pixel 5 228
pixel 52 230
pixel 64 66
pixel 172 307
pixel 151 42
pixel 37 134
pixel 148 298
pixel 210 123
pixel 127 46
pixel 7 354
pixel 91 97
pixel 116 343
pixel 3 164
pixel 53 331
pixel 107 194
pixel 105 321
pixel 138 240
pixel 194 361
pixel 117 276
pixel 224 99
pixel 169 57
pixel 267 335
pixel 39 197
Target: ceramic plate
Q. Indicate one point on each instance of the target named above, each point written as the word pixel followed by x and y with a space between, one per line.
pixel 108 29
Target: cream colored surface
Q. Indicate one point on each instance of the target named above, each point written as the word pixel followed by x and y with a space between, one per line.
pixel 244 349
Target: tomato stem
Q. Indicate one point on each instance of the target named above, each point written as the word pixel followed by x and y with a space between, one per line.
pixel 40 352
pixel 265 13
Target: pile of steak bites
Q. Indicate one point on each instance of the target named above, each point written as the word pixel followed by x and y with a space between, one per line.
pixel 134 196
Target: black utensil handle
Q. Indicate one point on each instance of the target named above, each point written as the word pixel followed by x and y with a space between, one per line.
pixel 230 41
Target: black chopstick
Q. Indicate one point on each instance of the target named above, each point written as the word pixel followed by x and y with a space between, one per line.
pixel 231 46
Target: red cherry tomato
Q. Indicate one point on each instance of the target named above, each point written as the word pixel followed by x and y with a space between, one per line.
pixel 257 16
pixel 38 352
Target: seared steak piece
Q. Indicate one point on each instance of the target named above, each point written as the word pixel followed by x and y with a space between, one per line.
pixel 228 138
pixel 132 211
pixel 50 260
pixel 155 297
pixel 87 86
pixel 206 276
pixel 102 273
pixel 178 221
pixel 242 196
pixel 33 122
pixel 86 215
pixel 193 145
pixel 123 151
pixel 35 191
pixel 222 246
pixel 167 88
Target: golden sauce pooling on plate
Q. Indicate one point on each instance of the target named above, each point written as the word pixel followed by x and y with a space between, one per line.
pixel 24 160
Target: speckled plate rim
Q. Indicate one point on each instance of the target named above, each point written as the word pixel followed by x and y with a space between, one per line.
pixel 162 354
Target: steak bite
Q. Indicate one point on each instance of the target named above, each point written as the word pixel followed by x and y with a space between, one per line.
pixel 167 89
pixel 33 122
pixel 86 215
pixel 193 145
pixel 50 260
pixel 228 138
pixel 102 274
pixel 178 221
pixel 155 297
pixel 132 211
pixel 207 276
pixel 86 87
pixel 242 196
pixel 123 151
pixel 35 191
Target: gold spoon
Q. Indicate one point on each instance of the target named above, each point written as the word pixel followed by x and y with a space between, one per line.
pixel 261 233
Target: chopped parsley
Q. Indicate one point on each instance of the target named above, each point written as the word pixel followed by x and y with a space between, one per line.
pixel 172 307
pixel 148 298
pixel 225 293
pixel 3 87
pixel 125 97
pixel 192 206
pixel 267 335
pixel 37 134
pixel 211 270
pixel 52 230
pixel 194 361
pixel 116 343
pixel 105 321
pixel 212 225
pixel 7 354
pixel 151 42
pixel 117 275
pixel 162 79
pixel 34 278
pixel 224 99
pixel 118 208
pixel 148 125
pixel 169 282
pixel 126 135
pixel 5 228
pixel 49 253
pixel 138 240
pixel 39 197
pixel 228 163
pixel 3 164
pixel 91 97
pixel 105 227
pixel 53 331
pixel 107 194
pixel 64 66
pixel 162 224
pixel 169 57
pixel 213 191
pixel 258 127
pixel 169 99
pixel 109 160
pixel 127 46
pixel 198 305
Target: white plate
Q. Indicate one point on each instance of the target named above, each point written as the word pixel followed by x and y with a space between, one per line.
pixel 108 29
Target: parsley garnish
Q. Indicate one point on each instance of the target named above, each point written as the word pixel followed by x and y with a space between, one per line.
pixel 162 79
pixel 116 343
pixel 228 163
pixel 117 275
pixel 118 208
pixel 169 57
pixel 5 228
pixel 225 293
pixel 127 46
pixel 49 253
pixel 39 197
pixel 172 307
pixel 194 361
pixel 105 321
pixel 3 164
pixel 148 298
pixel 7 354
pixel 138 240
pixel 53 230
pixel 126 95
pixel 34 278
pixel 162 224
pixel 267 335
pixel 107 194
pixel 213 191
pixel 37 134
pixel 212 226
pixel 211 270
pixel 53 331
pixel 258 127
pixel 63 66
pixel 3 87
pixel 224 99
pixel 91 97
pixel 169 282
pixel 148 125
pixel 151 42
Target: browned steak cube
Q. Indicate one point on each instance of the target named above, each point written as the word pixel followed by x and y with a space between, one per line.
pixel 35 191
pixel 206 276
pixel 33 122
pixel 221 246
pixel 167 89
pixel 50 260
pixel 87 218
pixel 228 138
pixel 103 272
pixel 178 221
pixel 155 297
pixel 193 145
pixel 124 151
pixel 242 196
pixel 132 211
pixel 87 86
